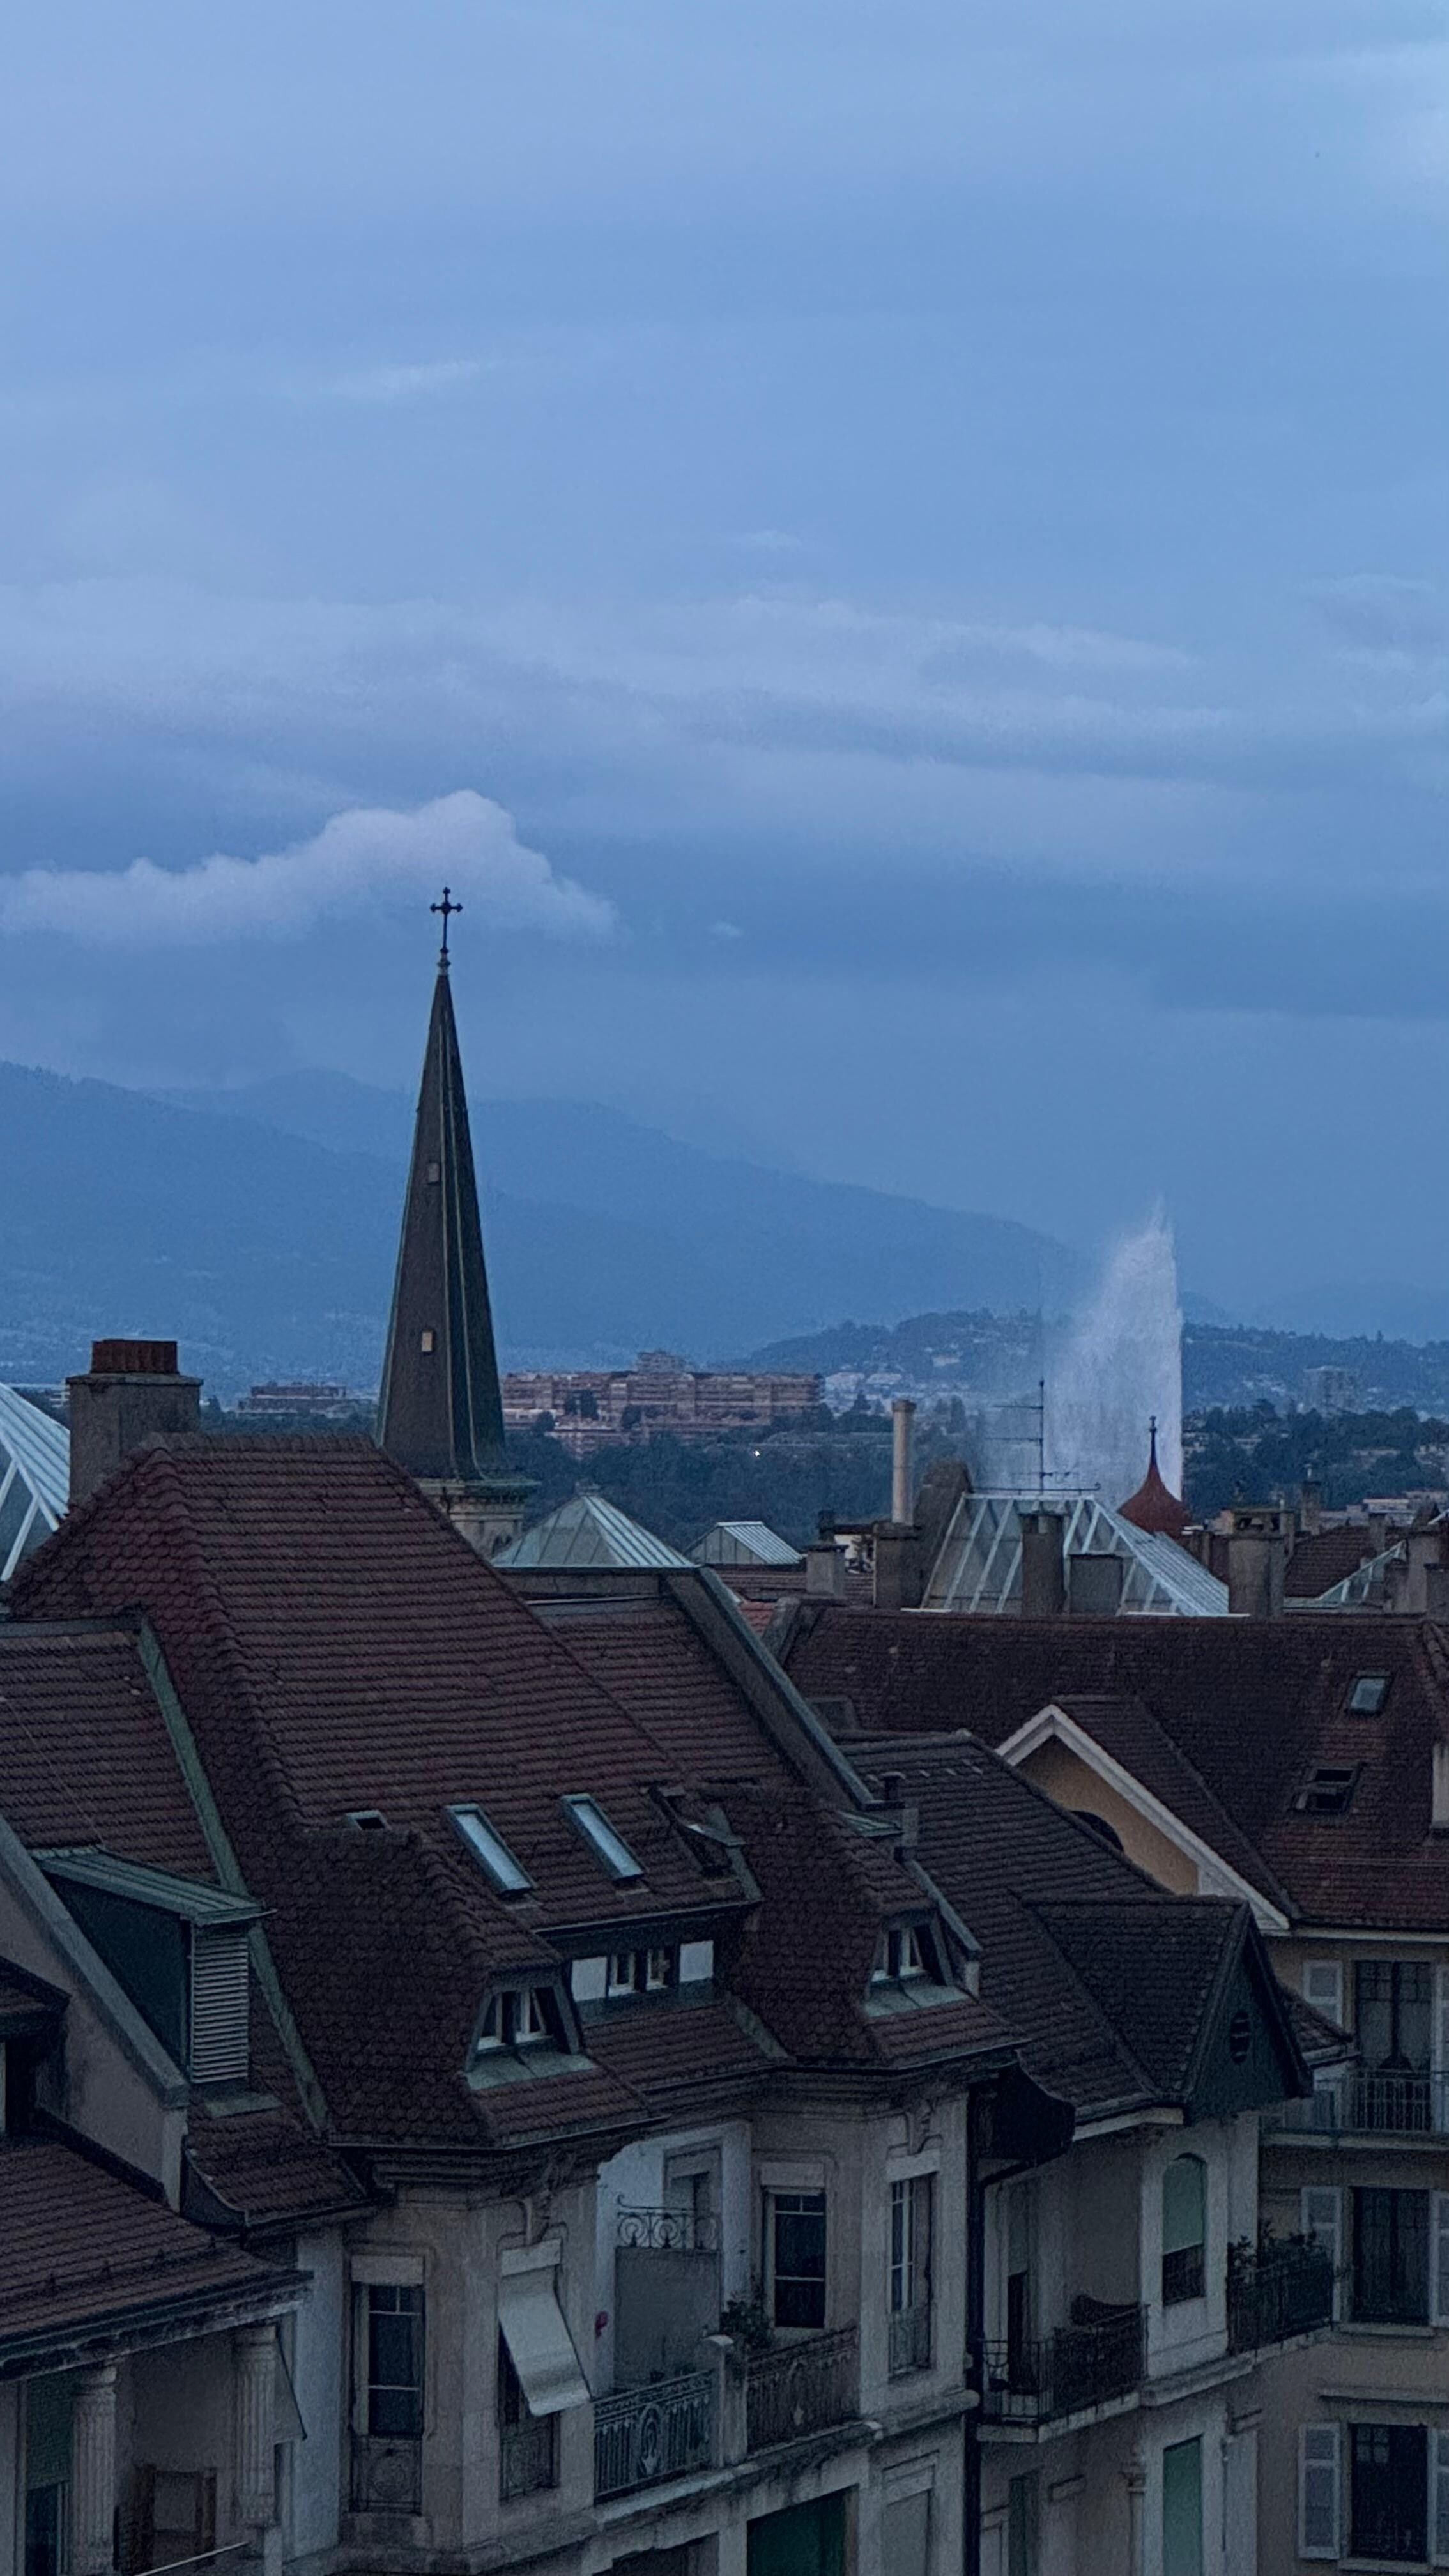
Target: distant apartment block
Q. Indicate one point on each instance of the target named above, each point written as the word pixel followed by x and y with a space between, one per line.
pixel 591 1408
pixel 1331 1390
pixel 299 1396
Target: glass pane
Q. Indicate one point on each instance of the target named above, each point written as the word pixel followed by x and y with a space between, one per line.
pixel 1390 2508
pixel 491 1850
pixel 1182 2204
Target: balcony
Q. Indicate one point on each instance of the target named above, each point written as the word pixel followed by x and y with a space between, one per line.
pixel 1376 2105
pixel 387 2473
pixel 910 2339
pixel 1277 2292
pixel 527 2457
pixel 1097 2360
pixel 792 2389
pixel 646 2434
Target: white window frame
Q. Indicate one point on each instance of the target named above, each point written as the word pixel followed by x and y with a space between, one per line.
pixel 1320 2455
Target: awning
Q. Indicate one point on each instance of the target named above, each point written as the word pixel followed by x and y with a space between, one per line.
pixel 539 2343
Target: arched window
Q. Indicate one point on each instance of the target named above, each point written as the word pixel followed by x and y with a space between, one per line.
pixel 1184 2221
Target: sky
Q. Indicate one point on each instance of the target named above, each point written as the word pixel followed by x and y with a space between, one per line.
pixel 894 552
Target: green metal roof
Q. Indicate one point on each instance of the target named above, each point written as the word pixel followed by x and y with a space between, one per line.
pixel 589 1531
pixel 91 1867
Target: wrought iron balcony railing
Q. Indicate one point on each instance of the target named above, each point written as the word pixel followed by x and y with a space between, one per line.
pixel 387 2474
pixel 528 2457
pixel 910 2339
pixel 1276 2292
pixel 1081 2366
pixel 645 2434
pixel 669 2231
pixel 797 2388
pixel 1376 2104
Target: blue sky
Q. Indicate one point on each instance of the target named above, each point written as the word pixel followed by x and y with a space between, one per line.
pixel 897 552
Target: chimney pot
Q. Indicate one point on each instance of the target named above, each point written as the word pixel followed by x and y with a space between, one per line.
pixel 903 1413
pixel 1043 1573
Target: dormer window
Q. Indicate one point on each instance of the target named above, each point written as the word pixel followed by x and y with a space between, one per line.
pixel 491 1852
pixel 518 2017
pixel 643 1972
pixel 901 1953
pixel 606 1845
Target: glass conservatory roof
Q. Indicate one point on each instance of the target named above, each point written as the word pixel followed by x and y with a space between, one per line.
pixel 34 1477
pixel 979 1565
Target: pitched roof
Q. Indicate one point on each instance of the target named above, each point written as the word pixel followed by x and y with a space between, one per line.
pixel 1126 1729
pixel 588 1531
pixel 1253 1705
pixel 440 1410
pixel 1067 1929
pixel 88 2252
pixel 744 1543
pixel 978 1566
pixel 1319 1559
pixel 337 1649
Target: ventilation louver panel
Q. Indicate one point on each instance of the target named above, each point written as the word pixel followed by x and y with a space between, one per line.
pixel 218 2006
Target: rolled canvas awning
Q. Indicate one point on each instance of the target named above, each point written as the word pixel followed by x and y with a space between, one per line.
pixel 539 2343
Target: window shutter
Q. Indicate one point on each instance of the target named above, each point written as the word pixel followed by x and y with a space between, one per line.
pixel 1318 2486
pixel 1439 2257
pixel 1439 2498
pixel 219 1997
pixel 1321 2216
pixel 1323 1987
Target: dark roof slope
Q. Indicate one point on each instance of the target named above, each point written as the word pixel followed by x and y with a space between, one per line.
pixel 1108 1983
pixel 89 2253
pixel 1252 1705
pixel 1126 1729
pixel 84 1753
pixel 1321 1558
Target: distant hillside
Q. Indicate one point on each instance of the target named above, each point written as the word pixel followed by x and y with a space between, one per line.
pixel 1223 1364
pixel 260 1229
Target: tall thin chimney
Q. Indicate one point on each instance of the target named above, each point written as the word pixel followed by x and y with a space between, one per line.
pixel 1257 1560
pixel 131 1394
pixel 903 1499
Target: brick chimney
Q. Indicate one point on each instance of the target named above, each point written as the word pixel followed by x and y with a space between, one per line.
pixel 131 1394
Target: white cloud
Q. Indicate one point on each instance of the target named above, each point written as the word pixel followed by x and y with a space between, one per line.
pixel 369 860
pixel 401 384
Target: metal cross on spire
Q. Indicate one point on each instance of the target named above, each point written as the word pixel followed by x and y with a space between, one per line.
pixel 447 907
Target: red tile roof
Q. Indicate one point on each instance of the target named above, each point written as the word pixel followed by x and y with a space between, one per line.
pixel 1252 1705
pixel 84 1753
pixel 88 2252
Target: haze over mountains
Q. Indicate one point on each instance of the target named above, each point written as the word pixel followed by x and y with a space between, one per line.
pixel 259 1227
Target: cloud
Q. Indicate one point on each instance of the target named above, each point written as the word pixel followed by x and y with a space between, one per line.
pixel 369 860
pixel 1382 612
pixel 403 384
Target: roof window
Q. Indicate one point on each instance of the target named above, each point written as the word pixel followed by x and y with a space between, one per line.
pixel 601 1838
pixel 517 2017
pixel 491 1851
pixel 1369 1692
pixel 1328 1790
pixel 367 1820
pixel 900 1954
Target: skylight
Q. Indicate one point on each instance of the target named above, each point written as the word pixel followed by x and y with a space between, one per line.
pixel 1328 1791
pixel 601 1838
pixel 491 1851
pixel 1369 1692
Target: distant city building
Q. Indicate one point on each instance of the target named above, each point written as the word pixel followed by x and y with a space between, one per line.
pixel 302 1396
pixel 1331 1390
pixel 588 1409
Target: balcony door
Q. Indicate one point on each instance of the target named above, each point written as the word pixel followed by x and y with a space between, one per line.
pixel 1389 2492
pixel 804 2540
pixel 1391 2257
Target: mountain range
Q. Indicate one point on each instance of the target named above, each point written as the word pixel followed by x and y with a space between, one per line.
pixel 258 1226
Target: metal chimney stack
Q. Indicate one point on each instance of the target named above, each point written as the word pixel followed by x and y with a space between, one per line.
pixel 903 1414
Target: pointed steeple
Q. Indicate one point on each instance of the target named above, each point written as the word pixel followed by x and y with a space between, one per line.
pixel 440 1412
pixel 1154 1507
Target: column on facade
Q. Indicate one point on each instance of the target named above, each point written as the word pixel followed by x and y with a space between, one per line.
pixel 93 2472
pixel 256 2387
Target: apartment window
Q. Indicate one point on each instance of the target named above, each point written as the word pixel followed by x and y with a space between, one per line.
pixel 1182 2509
pixel 517 2017
pixel 1023 2514
pixel 910 2275
pixel 1391 2257
pixel 1184 2223
pixel 173 2516
pixel 1389 2492
pixel 394 2352
pixel 528 2443
pixel 643 1972
pixel 1394 2013
pixel 795 2251
pixel 46 2553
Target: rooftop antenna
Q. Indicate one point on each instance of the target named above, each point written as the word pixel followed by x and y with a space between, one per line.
pixel 447 908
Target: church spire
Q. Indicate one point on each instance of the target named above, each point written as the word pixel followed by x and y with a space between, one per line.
pixel 440 1413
